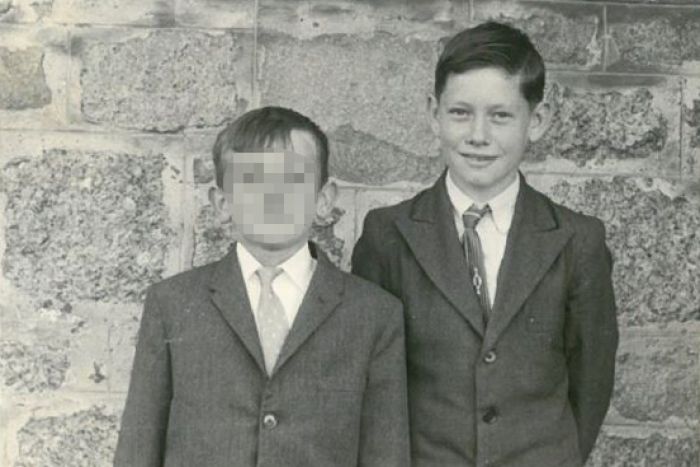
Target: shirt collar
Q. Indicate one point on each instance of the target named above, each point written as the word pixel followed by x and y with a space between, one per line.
pixel 502 205
pixel 299 267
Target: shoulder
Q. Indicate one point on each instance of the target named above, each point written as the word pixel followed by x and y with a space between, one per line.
pixel 183 286
pixel 367 295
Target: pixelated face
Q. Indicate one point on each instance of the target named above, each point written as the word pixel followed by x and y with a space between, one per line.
pixel 272 195
pixel 484 124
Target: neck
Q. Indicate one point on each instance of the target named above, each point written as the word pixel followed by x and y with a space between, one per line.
pixel 482 195
pixel 272 257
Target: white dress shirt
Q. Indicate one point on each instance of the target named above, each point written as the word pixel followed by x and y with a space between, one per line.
pixel 492 228
pixel 290 286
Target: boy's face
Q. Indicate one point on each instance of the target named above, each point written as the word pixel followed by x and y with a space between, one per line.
pixel 484 124
pixel 273 197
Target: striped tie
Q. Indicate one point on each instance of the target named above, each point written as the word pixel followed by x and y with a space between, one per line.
pixel 475 256
pixel 273 326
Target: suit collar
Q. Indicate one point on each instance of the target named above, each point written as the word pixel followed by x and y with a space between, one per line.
pixel 431 235
pixel 229 294
pixel 535 240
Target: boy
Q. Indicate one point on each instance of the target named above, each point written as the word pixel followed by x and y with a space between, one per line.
pixel 511 330
pixel 271 356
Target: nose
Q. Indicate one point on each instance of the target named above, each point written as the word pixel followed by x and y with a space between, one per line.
pixel 479 133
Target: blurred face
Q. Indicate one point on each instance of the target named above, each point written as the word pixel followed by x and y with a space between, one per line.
pixel 484 124
pixel 272 196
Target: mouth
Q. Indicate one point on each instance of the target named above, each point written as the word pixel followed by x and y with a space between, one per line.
pixel 478 157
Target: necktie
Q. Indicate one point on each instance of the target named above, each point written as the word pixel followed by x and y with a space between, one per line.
pixel 475 256
pixel 272 321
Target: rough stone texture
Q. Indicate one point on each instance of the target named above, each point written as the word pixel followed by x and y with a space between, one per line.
pixel 24 11
pixel 427 19
pixel 377 85
pixel 86 438
pixel 36 368
pixel 656 450
pixel 361 158
pixel 204 171
pixel 593 123
pixel 84 225
pixel 654 241
pixel 216 13
pixel 674 389
pixel 691 127
pixel 213 236
pixel 23 80
pixel 141 12
pixel 652 38
pixel 565 34
pixel 5 6
pixel 167 80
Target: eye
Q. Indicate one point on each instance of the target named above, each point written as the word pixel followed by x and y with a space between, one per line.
pixel 248 177
pixel 501 116
pixel 294 178
pixel 459 112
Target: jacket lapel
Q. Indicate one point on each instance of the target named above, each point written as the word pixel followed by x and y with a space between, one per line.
pixel 432 237
pixel 322 297
pixel 229 294
pixel 534 242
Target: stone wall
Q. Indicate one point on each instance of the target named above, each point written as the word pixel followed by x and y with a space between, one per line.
pixel 108 110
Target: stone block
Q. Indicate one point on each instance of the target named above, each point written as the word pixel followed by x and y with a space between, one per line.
pixel 360 157
pixel 33 368
pixel 216 13
pixel 566 35
pixel 611 124
pixel 24 82
pixel 648 450
pixel 137 12
pixel 85 224
pixel 690 131
pixel 34 67
pixel 657 379
pixel 652 230
pixel 427 19
pixel 164 80
pixel 86 438
pixel 384 96
pixel 653 39
pixel 24 11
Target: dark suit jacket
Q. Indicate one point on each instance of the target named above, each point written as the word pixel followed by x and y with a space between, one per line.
pixel 532 387
pixel 199 394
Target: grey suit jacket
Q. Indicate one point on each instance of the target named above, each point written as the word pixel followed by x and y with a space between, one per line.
pixel 532 387
pixel 199 394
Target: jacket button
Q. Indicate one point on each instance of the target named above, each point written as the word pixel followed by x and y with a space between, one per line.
pixel 490 415
pixel 490 356
pixel 269 421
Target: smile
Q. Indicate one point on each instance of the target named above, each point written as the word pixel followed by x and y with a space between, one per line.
pixel 479 157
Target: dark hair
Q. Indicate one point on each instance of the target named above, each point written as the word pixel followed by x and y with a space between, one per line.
pixel 259 129
pixel 493 44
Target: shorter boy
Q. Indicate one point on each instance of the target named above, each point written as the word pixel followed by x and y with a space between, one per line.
pixel 271 356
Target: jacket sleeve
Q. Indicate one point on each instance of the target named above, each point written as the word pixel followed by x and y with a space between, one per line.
pixel 384 433
pixel 145 419
pixel 591 335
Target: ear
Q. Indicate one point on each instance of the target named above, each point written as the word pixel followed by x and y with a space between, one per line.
pixel 539 121
pixel 433 106
pixel 219 203
pixel 325 201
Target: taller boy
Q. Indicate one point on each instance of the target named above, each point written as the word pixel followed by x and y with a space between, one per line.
pixel 510 315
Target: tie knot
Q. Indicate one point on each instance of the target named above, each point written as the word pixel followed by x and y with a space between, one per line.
pixel 473 215
pixel 267 275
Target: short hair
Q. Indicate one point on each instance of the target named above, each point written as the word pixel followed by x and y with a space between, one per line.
pixel 259 129
pixel 493 44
